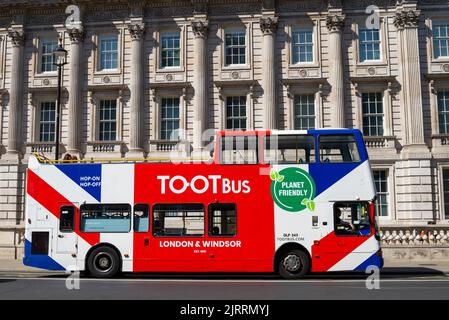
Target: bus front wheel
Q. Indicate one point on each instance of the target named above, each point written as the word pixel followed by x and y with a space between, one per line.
pixel 293 264
pixel 103 262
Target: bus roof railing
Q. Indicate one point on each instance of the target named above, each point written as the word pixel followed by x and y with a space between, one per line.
pixel 42 159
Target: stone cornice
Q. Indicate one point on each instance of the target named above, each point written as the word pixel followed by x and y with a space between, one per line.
pixel 200 27
pixel 335 22
pixel 268 25
pixel 136 30
pixel 406 19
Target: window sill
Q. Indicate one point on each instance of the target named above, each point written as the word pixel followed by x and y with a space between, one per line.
pixel 372 63
pixel 170 69
pixel 236 67
pixel 46 74
pixel 108 72
pixel 302 65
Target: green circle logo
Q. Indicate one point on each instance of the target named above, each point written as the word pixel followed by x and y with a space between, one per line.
pixel 293 189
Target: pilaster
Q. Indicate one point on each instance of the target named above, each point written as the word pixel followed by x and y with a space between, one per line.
pixel 335 22
pixel 76 35
pixel 268 26
pixel 137 32
pixel 17 36
pixel 200 28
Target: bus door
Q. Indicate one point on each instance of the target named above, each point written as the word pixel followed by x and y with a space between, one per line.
pixel 65 238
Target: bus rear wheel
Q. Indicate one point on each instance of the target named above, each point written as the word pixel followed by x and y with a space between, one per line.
pixel 293 264
pixel 103 262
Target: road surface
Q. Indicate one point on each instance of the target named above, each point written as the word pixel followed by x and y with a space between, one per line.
pixel 400 283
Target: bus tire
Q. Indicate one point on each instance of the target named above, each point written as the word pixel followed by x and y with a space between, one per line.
pixel 103 262
pixel 293 264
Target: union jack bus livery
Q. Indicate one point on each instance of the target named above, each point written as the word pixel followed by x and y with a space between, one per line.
pixel 290 202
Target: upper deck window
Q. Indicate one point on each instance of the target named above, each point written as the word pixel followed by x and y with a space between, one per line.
pixel 238 150
pixel 289 149
pixel 338 148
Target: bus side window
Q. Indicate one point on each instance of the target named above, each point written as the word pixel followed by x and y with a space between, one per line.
pixel 178 220
pixel 239 149
pixel 99 217
pixel 222 219
pixel 352 218
pixel 141 217
pixel 338 148
pixel 293 149
pixel 67 219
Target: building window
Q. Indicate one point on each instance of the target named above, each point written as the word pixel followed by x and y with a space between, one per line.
pixel 372 108
pixel 446 192
pixel 108 52
pixel 302 45
pixel 443 111
pixel 236 113
pixel 304 112
pixel 170 118
pixel 235 47
pixel 47 121
pixel 369 44
pixel 381 183
pixel 108 120
pixel 441 40
pixel 48 47
pixel 170 49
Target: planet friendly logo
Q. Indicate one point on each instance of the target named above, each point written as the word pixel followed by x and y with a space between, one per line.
pixel 292 189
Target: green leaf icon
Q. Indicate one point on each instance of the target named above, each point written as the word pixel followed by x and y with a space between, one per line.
pixel 311 205
pixel 280 178
pixel 273 174
pixel 304 201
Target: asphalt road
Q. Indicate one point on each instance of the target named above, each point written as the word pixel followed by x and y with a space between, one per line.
pixel 402 283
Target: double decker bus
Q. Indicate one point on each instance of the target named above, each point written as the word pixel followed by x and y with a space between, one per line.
pixel 290 202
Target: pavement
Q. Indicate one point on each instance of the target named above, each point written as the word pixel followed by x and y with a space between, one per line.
pixel 398 280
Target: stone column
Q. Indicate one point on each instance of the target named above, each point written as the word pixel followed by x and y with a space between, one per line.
pixel 75 90
pixel 414 191
pixel 268 26
pixel 16 92
pixel 406 21
pixel 200 28
pixel 335 23
pixel 137 31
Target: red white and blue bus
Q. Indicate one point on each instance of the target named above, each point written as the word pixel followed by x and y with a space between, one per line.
pixel 290 202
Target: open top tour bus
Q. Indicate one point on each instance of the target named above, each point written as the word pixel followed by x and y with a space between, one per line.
pixel 269 201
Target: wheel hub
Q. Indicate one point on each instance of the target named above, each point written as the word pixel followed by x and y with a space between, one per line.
pixel 292 263
pixel 103 262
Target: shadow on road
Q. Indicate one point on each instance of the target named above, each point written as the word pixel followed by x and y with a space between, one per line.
pixel 387 272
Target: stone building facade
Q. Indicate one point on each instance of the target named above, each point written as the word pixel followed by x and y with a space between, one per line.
pixel 137 70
